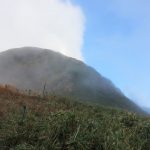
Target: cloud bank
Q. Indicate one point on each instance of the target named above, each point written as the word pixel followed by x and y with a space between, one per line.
pixel 51 24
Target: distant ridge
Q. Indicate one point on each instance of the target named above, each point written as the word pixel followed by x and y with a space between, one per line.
pixel 33 68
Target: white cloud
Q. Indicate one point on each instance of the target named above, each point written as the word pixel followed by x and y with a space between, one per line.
pixel 52 24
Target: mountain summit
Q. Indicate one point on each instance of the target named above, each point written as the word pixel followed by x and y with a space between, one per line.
pixel 36 68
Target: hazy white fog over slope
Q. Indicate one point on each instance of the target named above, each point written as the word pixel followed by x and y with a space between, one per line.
pixel 52 24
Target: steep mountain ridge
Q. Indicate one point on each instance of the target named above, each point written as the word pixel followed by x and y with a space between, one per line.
pixel 33 68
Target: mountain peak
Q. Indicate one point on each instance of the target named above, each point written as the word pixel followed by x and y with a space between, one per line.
pixel 32 68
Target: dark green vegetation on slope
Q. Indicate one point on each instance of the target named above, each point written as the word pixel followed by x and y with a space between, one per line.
pixel 32 68
pixel 57 123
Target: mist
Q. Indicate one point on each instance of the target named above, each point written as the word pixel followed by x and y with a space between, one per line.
pixel 51 24
pixel 31 68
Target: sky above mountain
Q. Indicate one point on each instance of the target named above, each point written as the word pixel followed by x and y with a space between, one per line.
pixel 110 35
pixel 117 43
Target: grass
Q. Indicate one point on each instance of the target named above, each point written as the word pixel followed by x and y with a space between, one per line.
pixel 59 123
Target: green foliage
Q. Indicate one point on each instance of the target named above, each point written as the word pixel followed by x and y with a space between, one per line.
pixel 72 125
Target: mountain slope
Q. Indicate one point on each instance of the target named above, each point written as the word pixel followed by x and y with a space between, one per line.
pixel 33 68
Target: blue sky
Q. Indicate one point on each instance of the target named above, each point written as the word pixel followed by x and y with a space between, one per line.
pixel 117 43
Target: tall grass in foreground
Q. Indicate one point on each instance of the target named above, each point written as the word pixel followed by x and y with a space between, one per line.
pixel 58 123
